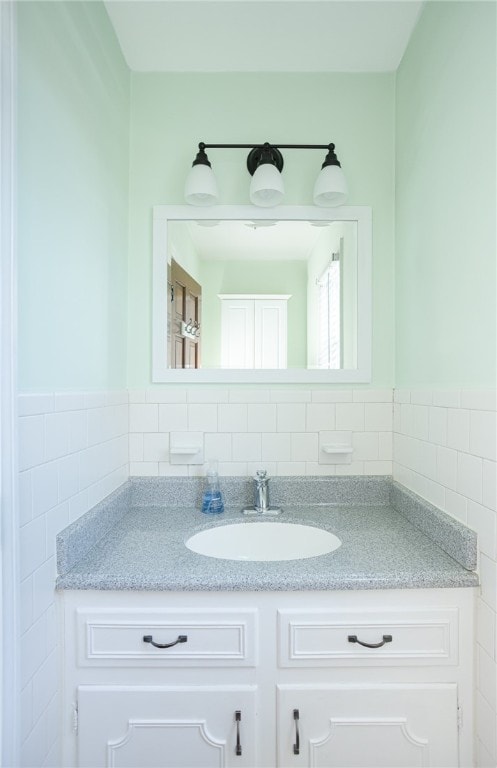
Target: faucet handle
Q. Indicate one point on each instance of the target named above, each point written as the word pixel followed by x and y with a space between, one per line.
pixel 261 496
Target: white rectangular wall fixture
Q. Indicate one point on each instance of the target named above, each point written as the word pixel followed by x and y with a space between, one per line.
pixel 335 453
pixel 186 448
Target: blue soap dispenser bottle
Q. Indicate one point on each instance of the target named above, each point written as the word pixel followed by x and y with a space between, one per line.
pixel 212 499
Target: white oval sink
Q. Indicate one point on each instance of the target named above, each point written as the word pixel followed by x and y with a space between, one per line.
pixel 263 541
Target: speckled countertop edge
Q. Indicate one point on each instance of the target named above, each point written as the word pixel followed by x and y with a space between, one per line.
pixel 78 539
pixel 145 550
pixel 459 541
pixel 292 491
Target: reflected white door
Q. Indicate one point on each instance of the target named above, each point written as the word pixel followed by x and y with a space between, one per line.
pixel 237 333
pixel 253 331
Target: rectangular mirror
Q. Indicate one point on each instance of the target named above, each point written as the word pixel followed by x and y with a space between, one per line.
pixel 255 295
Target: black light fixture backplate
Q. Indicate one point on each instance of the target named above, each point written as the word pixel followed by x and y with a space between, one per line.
pixel 255 155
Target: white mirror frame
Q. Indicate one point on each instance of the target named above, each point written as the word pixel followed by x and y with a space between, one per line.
pixel 162 374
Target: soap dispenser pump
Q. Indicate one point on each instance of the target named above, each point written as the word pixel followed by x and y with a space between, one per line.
pixel 212 499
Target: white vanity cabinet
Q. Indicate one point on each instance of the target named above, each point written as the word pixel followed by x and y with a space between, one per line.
pixel 372 726
pixel 349 679
pixel 166 726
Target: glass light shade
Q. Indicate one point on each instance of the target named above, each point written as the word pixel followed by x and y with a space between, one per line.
pixel 330 188
pixel 266 187
pixel 201 186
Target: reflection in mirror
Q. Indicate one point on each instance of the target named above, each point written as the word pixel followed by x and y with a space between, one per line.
pixel 273 294
pixel 262 299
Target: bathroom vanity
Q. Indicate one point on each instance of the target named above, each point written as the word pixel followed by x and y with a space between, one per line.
pixel 361 657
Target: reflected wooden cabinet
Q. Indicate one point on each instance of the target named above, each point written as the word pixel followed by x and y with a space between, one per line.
pixel 184 313
pixel 269 680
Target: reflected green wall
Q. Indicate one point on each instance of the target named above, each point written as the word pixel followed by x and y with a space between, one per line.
pixel 171 113
pixel 269 277
pixel 73 145
pixel 446 200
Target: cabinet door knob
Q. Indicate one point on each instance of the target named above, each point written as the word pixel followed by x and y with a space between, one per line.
pixel 238 718
pixel 296 746
pixel 179 639
pixel 355 639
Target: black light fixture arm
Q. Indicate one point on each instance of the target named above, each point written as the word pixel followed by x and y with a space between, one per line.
pixel 265 153
pixel 203 146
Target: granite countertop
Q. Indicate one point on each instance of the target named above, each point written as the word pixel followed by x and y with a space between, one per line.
pixel 143 548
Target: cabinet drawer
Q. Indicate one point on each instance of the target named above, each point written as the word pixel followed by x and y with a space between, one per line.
pixel 208 638
pixel 320 639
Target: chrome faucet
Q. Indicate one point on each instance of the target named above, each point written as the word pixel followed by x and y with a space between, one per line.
pixel 261 491
pixel 261 497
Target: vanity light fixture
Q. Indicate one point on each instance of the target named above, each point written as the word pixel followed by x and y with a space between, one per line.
pixel 265 163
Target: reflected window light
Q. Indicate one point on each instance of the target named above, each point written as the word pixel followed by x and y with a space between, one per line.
pixel 329 346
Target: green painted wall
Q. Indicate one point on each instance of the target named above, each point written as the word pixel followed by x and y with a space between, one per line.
pixel 73 149
pixel 446 199
pixel 170 114
pixel 433 121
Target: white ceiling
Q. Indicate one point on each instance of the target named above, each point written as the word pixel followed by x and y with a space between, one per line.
pixel 254 240
pixel 263 35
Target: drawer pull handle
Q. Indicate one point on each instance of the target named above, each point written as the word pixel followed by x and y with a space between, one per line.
pixel 354 639
pixel 238 717
pixel 180 639
pixel 296 746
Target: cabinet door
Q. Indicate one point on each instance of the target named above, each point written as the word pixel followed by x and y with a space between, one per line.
pixel 166 727
pixel 270 333
pixel 237 333
pixel 253 331
pixel 185 306
pixel 373 726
